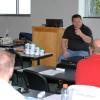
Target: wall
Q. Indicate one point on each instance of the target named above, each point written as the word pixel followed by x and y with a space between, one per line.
pixel 14 25
pixel 94 24
pixel 42 9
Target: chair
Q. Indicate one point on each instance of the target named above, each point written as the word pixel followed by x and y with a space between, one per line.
pixel 25 36
pixel 69 62
pixel 18 65
pixel 35 81
pixel 83 92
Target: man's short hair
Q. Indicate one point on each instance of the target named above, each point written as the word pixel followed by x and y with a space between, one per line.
pixel 10 59
pixel 76 16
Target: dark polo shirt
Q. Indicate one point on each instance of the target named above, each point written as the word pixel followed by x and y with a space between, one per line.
pixel 75 42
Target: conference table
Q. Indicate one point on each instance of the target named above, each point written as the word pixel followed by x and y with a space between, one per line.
pixel 11 45
pixel 34 57
pixel 68 75
pixel 30 92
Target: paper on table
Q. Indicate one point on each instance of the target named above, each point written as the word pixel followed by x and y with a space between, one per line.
pixel 30 98
pixel 51 72
pixel 53 97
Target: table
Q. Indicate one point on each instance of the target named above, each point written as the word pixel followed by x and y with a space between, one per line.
pixel 33 57
pixel 32 93
pixel 68 75
pixel 12 45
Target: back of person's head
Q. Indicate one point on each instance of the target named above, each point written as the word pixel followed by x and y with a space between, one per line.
pixel 76 16
pixel 96 46
pixel 7 61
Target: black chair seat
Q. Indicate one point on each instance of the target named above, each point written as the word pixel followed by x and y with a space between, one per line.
pixel 35 81
pixel 69 62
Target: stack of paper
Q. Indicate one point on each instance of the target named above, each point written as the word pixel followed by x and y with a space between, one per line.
pixel 53 97
pixel 51 72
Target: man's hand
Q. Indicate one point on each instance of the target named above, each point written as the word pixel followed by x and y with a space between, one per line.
pixel 65 54
pixel 78 31
pixel 85 38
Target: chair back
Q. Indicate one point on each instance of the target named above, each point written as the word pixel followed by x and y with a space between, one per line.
pixel 35 81
pixel 83 92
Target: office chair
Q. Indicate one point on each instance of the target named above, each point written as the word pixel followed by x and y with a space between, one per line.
pixel 35 81
pixel 69 63
pixel 25 36
pixel 18 65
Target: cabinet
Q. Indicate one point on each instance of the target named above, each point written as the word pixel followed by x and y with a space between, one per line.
pixel 48 38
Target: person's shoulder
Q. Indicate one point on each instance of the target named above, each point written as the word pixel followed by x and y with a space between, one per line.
pixel 15 94
pixel 85 27
pixel 9 93
pixel 83 61
pixel 70 27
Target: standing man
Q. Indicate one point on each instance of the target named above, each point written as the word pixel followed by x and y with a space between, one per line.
pixel 76 39
pixel 7 92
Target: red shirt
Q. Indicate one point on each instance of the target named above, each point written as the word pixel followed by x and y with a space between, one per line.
pixel 88 71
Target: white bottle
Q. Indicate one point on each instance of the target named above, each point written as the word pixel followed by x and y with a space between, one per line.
pixel 37 51
pixel 32 49
pixel 41 52
pixel 64 94
pixel 27 48
pixel 41 95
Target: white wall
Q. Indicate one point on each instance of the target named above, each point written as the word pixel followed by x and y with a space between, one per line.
pixel 42 9
pixel 94 24
pixel 14 25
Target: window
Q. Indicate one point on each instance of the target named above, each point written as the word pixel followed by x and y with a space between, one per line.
pixel 16 7
pixel 89 8
pixel 24 7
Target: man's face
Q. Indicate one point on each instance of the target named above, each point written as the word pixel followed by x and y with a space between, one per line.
pixel 77 22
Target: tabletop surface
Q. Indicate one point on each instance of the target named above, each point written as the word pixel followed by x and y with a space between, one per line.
pixel 11 45
pixel 68 75
pixel 31 93
pixel 34 56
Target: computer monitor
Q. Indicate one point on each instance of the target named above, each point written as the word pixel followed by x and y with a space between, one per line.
pixel 54 22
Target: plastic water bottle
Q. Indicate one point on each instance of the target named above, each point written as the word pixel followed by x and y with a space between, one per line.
pixel 27 48
pixel 41 95
pixel 37 51
pixel 64 95
pixel 32 49
pixel 41 52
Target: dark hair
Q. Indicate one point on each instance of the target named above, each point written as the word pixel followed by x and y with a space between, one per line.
pixel 76 16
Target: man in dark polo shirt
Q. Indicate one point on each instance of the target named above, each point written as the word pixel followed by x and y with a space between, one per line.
pixel 76 39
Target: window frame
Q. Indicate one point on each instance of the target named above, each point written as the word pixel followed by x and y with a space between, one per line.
pixel 87 10
pixel 17 11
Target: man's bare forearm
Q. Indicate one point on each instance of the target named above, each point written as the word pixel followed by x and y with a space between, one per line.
pixel 86 38
pixel 64 45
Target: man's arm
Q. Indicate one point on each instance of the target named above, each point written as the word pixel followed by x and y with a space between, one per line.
pixel 64 45
pixel 84 37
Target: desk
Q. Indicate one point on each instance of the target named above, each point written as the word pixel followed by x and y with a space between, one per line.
pixel 68 75
pixel 32 93
pixel 12 45
pixel 33 57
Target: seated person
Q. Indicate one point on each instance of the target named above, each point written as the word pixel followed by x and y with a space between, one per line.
pixel 7 92
pixel 88 70
pixel 76 39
